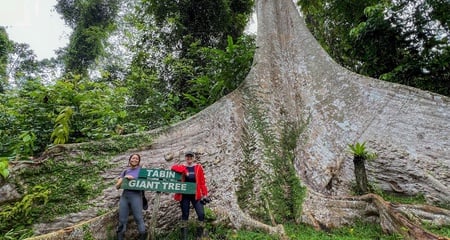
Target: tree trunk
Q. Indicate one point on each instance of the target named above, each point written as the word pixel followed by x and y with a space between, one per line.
pixel 294 116
pixel 360 175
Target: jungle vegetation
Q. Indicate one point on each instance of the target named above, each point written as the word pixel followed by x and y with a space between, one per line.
pixel 132 66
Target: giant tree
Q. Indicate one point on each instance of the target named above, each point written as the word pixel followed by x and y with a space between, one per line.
pixel 274 150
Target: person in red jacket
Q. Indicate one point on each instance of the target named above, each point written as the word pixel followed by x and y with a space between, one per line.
pixel 192 172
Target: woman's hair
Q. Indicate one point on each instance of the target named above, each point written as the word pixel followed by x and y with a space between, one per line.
pixel 129 159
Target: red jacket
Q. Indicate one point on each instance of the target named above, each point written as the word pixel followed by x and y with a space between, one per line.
pixel 201 189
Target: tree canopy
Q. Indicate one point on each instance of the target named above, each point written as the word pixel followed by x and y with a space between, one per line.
pixel 91 22
pixel 398 41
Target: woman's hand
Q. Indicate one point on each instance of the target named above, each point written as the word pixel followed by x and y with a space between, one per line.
pixel 129 177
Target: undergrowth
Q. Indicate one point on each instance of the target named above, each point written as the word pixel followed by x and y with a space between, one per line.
pixel 359 231
pixel 62 184
pixel 53 189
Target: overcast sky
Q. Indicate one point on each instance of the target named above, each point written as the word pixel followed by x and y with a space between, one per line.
pixel 36 23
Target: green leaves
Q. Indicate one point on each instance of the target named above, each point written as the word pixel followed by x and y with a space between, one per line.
pixel 25 146
pixel 91 110
pixel 25 121
pixel 75 109
pixel 60 134
pixel 5 48
pixel 163 84
pixel 224 70
pixel 92 21
pixel 4 164
pixel 398 41
pixel 14 215
pixel 359 150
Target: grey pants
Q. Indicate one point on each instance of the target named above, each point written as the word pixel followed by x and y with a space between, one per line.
pixel 131 200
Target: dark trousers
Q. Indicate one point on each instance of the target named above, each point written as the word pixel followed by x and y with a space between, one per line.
pixel 130 200
pixel 185 205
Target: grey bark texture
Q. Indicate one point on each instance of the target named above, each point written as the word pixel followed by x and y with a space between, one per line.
pixel 293 80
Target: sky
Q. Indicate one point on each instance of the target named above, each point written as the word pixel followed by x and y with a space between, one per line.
pixel 36 23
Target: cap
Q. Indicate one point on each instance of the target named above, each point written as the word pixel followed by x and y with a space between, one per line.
pixel 189 153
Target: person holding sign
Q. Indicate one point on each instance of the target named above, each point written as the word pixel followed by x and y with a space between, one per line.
pixel 191 172
pixel 131 200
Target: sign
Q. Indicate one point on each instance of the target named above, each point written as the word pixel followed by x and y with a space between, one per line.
pixel 160 180
pixel 159 186
pixel 159 174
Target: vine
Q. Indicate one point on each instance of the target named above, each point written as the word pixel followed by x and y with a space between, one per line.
pixel 22 212
pixel 282 193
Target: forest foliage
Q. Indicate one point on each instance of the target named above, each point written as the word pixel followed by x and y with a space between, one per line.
pixel 400 41
pixel 87 95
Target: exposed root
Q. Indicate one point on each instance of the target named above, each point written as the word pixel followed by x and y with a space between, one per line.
pixel 394 220
pixel 402 219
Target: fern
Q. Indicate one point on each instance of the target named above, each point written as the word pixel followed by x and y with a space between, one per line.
pixel 60 134
pixel 359 150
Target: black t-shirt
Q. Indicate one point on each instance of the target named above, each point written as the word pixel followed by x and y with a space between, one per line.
pixel 191 176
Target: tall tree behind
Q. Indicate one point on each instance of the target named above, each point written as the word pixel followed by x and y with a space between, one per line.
pixel 5 48
pixel 170 28
pixel 209 22
pixel 91 20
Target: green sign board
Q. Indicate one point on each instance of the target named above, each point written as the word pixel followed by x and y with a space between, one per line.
pixel 159 186
pixel 160 180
